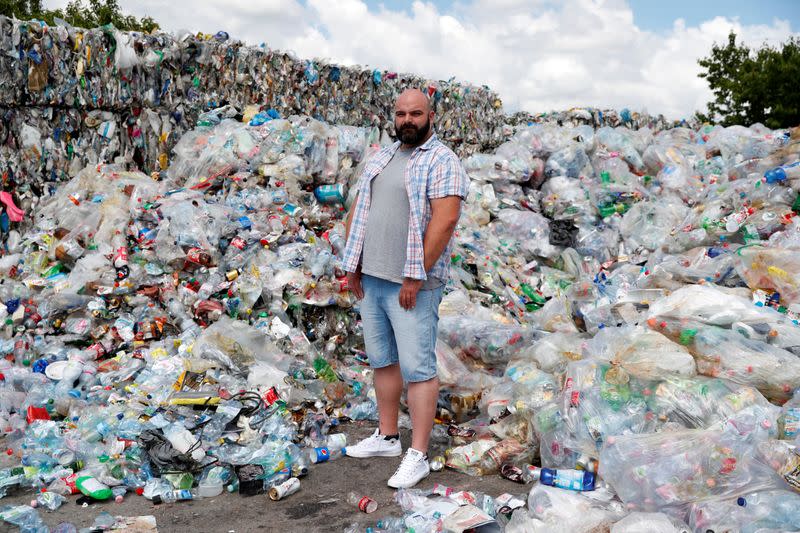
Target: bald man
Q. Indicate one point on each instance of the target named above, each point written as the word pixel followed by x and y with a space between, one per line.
pixel 399 239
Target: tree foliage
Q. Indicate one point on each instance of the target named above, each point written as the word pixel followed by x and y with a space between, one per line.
pixel 90 15
pixel 752 86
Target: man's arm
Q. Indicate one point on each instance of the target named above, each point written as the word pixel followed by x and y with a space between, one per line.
pixel 349 219
pixel 353 278
pixel 444 217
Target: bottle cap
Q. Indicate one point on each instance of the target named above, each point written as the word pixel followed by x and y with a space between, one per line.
pixel 157 500
pixel 534 473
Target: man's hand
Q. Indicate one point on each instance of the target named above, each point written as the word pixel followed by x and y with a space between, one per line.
pixel 354 284
pixel 408 293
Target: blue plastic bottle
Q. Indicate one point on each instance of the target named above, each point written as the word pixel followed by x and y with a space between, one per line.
pixel 579 480
pixel 783 173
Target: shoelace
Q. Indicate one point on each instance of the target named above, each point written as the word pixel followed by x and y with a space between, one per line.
pixel 406 466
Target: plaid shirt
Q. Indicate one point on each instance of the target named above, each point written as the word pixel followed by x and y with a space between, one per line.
pixel 433 171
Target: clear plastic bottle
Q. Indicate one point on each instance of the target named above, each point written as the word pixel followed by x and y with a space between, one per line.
pixel 364 503
pixel 391 524
pixel 183 441
pixel 578 480
pixel 173 496
pixel 323 454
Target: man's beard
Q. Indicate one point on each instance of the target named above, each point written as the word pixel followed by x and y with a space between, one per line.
pixel 411 135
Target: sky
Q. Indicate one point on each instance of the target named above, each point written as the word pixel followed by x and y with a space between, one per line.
pixel 538 55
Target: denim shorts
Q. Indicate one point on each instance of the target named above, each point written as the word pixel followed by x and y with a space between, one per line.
pixel 393 335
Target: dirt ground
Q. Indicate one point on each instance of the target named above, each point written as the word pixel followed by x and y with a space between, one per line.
pixel 310 509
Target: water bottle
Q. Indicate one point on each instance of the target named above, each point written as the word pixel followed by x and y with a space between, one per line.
pixel 172 496
pixel 391 524
pixel 578 480
pixel 183 441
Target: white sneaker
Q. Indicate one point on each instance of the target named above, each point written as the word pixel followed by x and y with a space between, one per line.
pixel 413 468
pixel 376 445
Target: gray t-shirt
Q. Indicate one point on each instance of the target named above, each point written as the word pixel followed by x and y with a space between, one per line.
pixel 386 237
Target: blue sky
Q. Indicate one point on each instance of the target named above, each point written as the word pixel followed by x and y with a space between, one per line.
pixel 658 15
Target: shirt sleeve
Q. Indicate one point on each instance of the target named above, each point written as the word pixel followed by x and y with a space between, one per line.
pixel 448 178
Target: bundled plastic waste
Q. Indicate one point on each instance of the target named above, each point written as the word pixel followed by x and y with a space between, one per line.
pixel 74 97
pixel 620 295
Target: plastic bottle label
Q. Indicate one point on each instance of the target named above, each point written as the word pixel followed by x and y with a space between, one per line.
pixel 182 494
pixel 363 503
pixel 569 479
pixel 791 422
pixel 90 485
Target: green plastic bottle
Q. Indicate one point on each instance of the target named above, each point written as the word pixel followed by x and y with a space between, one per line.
pixel 90 486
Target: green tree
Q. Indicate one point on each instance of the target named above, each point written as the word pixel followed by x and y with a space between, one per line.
pixel 95 13
pixel 753 85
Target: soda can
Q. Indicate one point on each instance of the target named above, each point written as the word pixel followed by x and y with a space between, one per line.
pixel 437 463
pixel 292 210
pixel 330 194
pixel 288 487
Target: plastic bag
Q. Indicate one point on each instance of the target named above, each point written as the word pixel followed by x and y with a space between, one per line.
pixel 653 472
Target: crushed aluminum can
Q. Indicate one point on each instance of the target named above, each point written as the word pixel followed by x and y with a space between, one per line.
pixel 437 463
pixel 288 487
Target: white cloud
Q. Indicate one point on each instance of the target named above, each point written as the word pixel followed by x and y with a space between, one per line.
pixel 538 55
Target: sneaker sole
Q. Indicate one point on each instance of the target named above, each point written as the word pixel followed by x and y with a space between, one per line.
pixel 386 453
pixel 407 486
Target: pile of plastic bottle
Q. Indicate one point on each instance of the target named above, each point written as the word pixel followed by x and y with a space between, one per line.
pixel 74 97
pixel 620 327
